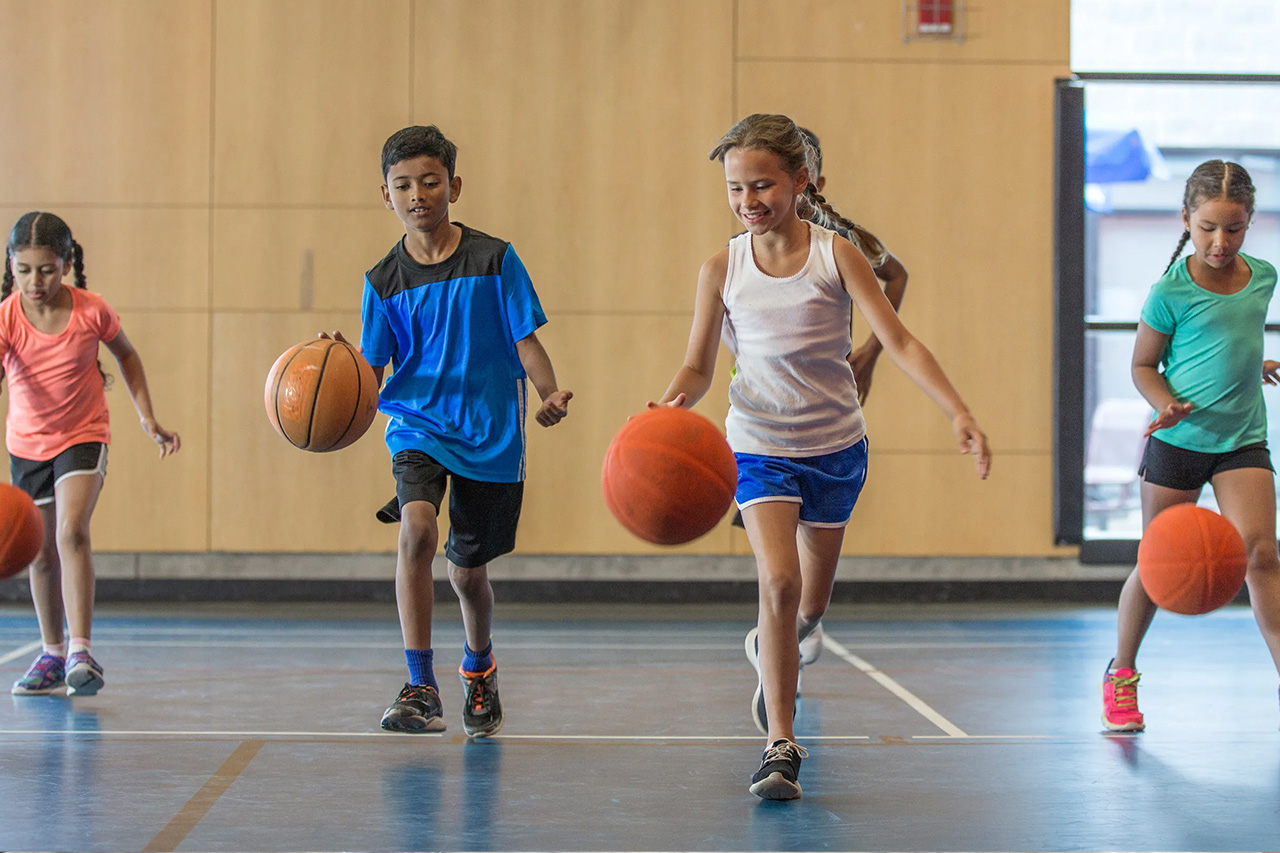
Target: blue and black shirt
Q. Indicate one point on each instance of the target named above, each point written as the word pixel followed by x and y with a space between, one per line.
pixel 449 331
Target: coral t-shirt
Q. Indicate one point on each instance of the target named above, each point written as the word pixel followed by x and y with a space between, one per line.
pixel 56 397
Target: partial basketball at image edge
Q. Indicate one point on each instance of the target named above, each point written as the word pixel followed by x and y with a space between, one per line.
pixel 1191 560
pixel 21 530
pixel 321 395
pixel 669 476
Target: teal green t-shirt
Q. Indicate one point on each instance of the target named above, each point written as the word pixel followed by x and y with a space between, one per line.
pixel 1214 356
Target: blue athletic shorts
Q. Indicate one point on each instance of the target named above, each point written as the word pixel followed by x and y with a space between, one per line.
pixel 826 487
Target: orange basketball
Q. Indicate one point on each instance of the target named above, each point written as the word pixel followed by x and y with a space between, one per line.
pixel 21 530
pixel 1191 560
pixel 321 395
pixel 669 476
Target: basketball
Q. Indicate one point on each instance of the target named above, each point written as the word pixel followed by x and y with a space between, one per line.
pixel 21 530
pixel 669 476
pixel 321 395
pixel 1191 560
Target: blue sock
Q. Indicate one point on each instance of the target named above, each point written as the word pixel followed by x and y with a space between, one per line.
pixel 476 661
pixel 420 672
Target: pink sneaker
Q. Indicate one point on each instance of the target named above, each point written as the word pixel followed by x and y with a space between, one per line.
pixel 1120 701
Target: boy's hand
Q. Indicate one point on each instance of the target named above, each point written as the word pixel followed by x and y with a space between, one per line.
pixel 554 408
pixel 1172 413
pixel 973 440
pixel 1271 372
pixel 334 336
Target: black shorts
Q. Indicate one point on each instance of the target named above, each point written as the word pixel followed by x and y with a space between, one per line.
pixel 1188 470
pixel 38 478
pixel 482 515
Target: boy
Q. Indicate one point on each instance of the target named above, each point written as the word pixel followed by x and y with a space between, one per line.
pixel 454 312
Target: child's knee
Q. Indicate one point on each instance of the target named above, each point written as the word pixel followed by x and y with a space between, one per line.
pixel 1263 557
pixel 780 593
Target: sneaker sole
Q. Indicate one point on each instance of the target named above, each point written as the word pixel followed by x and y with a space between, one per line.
pixel 18 691
pixel 489 732
pixel 775 786
pixel 1123 727
pixel 413 725
pixel 84 684
pixel 759 716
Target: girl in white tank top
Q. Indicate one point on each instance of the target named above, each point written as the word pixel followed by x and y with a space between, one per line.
pixel 782 293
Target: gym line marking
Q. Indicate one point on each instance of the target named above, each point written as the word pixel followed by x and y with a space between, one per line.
pixel 918 704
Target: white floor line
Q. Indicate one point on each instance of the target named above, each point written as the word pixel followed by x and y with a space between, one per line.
pixel 199 734
pixel 985 737
pixel 673 737
pixel 21 652
pixel 895 688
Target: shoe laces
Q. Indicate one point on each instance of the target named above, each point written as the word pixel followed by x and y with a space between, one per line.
pixel 1124 691
pixel 479 695
pixel 784 751
pixel 414 692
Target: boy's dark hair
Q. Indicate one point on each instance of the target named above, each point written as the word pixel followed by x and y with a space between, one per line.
pixel 417 141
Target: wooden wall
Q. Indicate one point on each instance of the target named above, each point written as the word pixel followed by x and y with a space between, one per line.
pixel 218 159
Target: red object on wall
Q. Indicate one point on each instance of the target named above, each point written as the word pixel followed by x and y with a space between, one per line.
pixel 935 16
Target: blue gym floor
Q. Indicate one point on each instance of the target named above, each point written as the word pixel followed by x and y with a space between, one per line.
pixel 929 727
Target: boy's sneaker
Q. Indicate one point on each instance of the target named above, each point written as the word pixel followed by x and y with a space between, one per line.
pixel 482 709
pixel 84 676
pixel 779 775
pixel 758 714
pixel 46 674
pixel 1120 701
pixel 416 709
pixel 811 646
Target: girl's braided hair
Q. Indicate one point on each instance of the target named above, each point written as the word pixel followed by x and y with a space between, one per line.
pixel 1211 180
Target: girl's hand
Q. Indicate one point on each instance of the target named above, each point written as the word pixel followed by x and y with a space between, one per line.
pixel 1172 413
pixel 169 442
pixel 677 403
pixel 973 440
pixel 554 408
pixel 1271 372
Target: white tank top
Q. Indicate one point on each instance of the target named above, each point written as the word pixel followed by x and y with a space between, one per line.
pixel 793 393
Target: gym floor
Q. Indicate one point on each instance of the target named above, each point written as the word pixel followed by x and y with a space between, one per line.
pixel 929 727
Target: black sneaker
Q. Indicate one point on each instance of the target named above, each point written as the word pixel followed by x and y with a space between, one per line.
pixel 779 775
pixel 481 709
pixel 390 511
pixel 416 709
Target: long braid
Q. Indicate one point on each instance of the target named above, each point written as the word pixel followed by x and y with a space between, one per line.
pixel 1177 253
pixel 821 212
pixel 7 287
pixel 77 264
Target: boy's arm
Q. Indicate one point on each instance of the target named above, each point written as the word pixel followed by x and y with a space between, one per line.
pixel 537 364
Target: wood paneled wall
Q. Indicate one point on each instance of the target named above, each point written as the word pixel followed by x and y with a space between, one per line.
pixel 218 159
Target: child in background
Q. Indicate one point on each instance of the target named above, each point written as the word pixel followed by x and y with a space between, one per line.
pixel 455 314
pixel 1203 323
pixel 58 430
pixel 783 292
